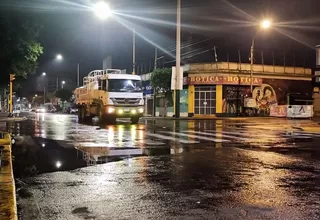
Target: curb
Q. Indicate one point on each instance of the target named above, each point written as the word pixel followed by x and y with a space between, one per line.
pixel 10 188
pixel 13 119
pixel 204 118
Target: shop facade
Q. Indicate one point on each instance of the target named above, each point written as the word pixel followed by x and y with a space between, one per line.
pixel 221 90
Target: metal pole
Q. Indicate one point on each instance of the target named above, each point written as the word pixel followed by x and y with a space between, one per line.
pixel 251 64
pixel 10 97
pixel 154 90
pixel 134 52
pixel 44 95
pixel 178 54
pixel 57 84
pixel 78 75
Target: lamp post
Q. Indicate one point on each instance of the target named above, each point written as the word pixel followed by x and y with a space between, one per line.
pixel 62 84
pixel 264 24
pixel 178 57
pixel 103 11
pixel 60 58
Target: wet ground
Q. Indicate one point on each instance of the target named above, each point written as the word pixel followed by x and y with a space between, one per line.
pixel 165 169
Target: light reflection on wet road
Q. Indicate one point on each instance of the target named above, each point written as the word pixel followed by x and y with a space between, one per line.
pixel 229 169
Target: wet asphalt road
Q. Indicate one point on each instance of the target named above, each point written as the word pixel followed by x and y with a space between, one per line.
pixel 164 169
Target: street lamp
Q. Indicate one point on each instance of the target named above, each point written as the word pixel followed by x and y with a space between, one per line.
pixel 62 83
pixel 102 10
pixel 59 57
pixel 264 24
pixel 44 74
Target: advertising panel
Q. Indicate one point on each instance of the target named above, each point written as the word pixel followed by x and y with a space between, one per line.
pixel 300 111
pixel 271 93
pixel 278 111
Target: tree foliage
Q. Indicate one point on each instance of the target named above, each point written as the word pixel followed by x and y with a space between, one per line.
pixel 63 94
pixel 161 80
pixel 19 46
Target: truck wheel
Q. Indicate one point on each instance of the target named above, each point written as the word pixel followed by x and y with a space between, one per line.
pixel 134 120
pixel 81 114
pixel 111 120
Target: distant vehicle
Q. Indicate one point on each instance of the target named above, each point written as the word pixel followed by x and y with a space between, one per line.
pixel 109 94
pixel 16 111
pixel 46 108
pixel 73 110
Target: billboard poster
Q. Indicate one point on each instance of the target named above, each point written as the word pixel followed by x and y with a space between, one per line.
pixel 278 111
pixel 271 93
pixel 300 111
pixel 318 56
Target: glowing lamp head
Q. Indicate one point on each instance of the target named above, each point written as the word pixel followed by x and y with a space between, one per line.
pixel 102 10
pixel 59 57
pixel 265 24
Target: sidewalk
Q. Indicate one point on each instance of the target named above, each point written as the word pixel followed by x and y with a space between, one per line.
pixel 203 118
pixel 8 207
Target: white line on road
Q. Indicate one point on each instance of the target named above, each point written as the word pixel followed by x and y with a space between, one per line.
pixel 222 133
pixel 196 137
pixel 172 138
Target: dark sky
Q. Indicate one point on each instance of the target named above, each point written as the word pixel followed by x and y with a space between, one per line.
pixel 72 30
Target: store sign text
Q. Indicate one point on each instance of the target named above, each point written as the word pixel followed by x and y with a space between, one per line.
pixel 227 80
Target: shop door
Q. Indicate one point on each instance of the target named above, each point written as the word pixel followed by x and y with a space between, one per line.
pixel 205 101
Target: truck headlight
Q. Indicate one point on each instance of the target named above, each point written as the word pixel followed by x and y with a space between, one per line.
pixel 111 110
pixel 120 111
pixel 140 110
pixel 133 111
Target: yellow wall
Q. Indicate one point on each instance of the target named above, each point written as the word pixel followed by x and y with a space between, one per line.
pixel 219 99
pixel 191 99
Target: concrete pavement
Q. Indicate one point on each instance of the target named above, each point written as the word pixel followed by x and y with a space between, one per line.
pixel 8 209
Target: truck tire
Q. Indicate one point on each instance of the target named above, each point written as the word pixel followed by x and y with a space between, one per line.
pixel 81 114
pixel 100 114
pixel 111 120
pixel 134 120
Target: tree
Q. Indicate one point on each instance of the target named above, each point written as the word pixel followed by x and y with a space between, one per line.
pixel 19 46
pixel 161 80
pixel 63 94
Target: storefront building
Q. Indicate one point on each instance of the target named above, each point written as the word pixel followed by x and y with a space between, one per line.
pixel 220 89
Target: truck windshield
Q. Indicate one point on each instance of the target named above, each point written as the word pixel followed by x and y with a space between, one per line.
pixel 124 85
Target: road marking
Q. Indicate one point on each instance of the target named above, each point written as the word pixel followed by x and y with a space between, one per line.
pixel 172 138
pixel 196 137
pixel 223 135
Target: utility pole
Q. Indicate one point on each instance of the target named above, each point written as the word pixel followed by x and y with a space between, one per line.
pixel 78 75
pixel 57 86
pixel 44 95
pixel 251 65
pixel 178 54
pixel 154 90
pixel 134 53
pixel 12 78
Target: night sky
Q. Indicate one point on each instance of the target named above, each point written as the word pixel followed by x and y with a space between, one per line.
pixel 71 29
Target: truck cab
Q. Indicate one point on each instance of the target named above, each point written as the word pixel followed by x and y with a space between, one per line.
pixel 110 94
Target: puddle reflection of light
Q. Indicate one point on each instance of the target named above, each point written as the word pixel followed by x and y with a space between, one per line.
pixel 120 135
pixel 133 132
pixel 58 164
pixel 141 139
pixel 110 135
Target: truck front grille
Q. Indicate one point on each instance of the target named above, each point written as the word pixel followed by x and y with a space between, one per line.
pixel 124 101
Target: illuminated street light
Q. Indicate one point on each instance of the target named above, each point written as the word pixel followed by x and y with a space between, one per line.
pixel 58 164
pixel 102 10
pixel 62 83
pixel 44 74
pixel 265 24
pixel 59 57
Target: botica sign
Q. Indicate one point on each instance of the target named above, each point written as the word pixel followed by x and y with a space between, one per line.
pixel 225 80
